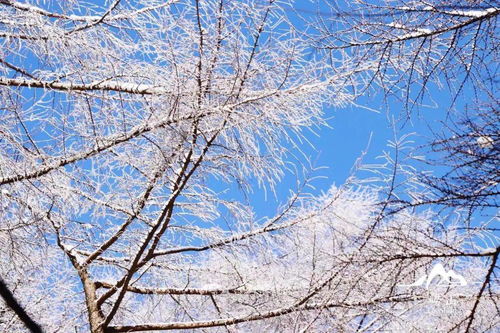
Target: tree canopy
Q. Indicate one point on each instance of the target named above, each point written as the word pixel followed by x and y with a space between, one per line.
pixel 132 132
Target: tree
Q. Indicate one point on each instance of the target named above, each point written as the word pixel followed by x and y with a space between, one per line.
pixel 468 148
pixel 418 45
pixel 120 123
pixel 421 46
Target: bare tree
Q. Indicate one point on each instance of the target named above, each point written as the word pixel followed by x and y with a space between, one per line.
pixel 417 45
pixel 421 46
pixel 468 148
pixel 119 126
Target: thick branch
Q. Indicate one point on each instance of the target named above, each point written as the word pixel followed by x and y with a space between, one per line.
pixel 423 33
pixel 186 291
pixel 110 142
pixel 261 316
pixel 104 85
pixel 12 303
